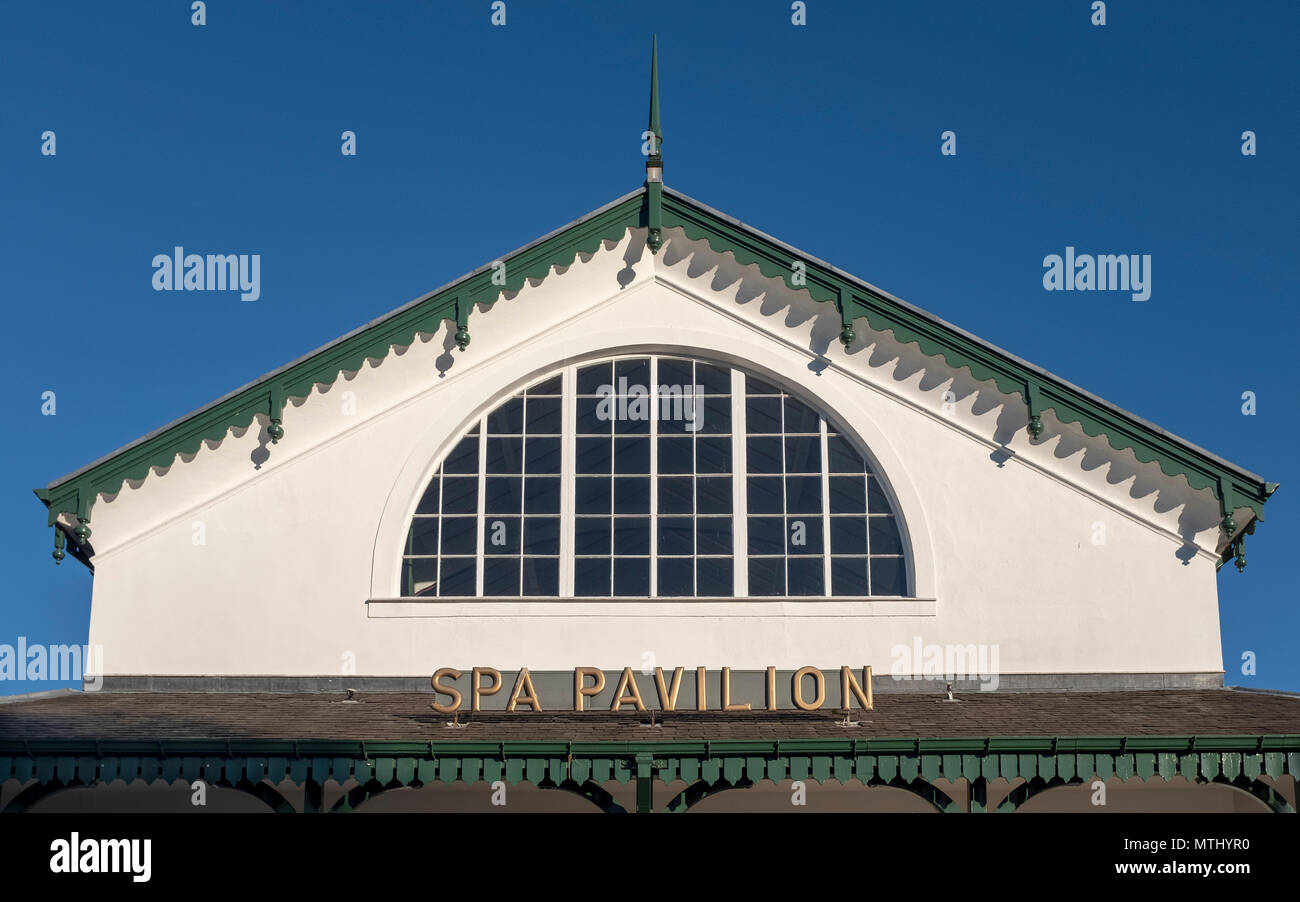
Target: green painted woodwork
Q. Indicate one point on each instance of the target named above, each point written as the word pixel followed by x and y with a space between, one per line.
pixel 1034 763
pixel 653 206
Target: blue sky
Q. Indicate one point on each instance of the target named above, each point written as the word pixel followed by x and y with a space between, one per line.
pixel 473 140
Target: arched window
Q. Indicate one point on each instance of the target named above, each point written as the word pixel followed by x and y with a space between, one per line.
pixel 654 476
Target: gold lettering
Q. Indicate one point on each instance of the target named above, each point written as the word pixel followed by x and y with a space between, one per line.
pixel 627 693
pixel 581 692
pixel 452 691
pixel 847 683
pixel 478 690
pixel 771 688
pixel 524 682
pixel 726 693
pixel 798 688
pixel 699 689
pixel 667 696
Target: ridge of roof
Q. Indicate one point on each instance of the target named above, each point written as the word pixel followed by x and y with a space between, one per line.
pixel 75 493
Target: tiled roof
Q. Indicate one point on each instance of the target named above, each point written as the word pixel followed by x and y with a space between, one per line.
pixel 407 716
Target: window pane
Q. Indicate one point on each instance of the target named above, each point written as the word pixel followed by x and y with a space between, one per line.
pixel 464 458
pixel 804 535
pixel 595 455
pixel 766 535
pixel 549 387
pixel 631 455
pixel 713 455
pixel 508 419
pixel 843 457
pixel 423 538
pixel 591 577
pixel 675 372
pixel 763 454
pixel 632 536
pixel 849 535
pixel 713 535
pixel 505 495
pixel 803 494
pixel 631 494
pixel 542 455
pixel 715 418
pixel 848 495
pixel 675 536
pixel 765 495
pixel 505 455
pixel 460 494
pixel 591 535
pixel 458 535
pixel 542 495
pixel 884 536
pixel 541 576
pixel 799 417
pixel 544 416
pixel 763 416
pixel 713 495
pixel 756 386
pixel 803 454
pixel 806 576
pixel 458 576
pixel 713 577
pixel 501 535
pixel 592 378
pixel 632 576
pixel 541 535
pixel 676 576
pixel 636 372
pixel 594 417
pixel 676 495
pixel 766 576
pixel 635 420
pixel 594 495
pixel 419 577
pixel 675 455
pixel 887 576
pixel 849 576
pixel 877 503
pixel 429 501
pixel 715 380
pixel 501 576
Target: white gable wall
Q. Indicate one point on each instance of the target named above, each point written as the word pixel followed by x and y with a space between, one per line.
pixel 302 547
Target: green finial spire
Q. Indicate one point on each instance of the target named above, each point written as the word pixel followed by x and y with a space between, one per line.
pixel 654 126
pixel 654 164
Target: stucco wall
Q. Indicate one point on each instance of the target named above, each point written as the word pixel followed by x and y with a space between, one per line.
pixel 297 541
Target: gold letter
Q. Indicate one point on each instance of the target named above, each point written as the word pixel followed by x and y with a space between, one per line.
pixel 478 690
pixel 726 693
pixel 627 693
pixel 668 697
pixel 522 682
pixel 446 690
pixel 580 692
pixel 847 682
pixel 798 688
pixel 699 688
pixel 771 688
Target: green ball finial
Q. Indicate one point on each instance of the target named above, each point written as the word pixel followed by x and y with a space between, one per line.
pixel 1035 427
pixel 1229 525
pixel 847 335
pixel 462 338
pixel 275 430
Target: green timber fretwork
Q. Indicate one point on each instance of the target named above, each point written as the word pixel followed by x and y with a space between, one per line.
pixel 363 770
pixel 74 495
